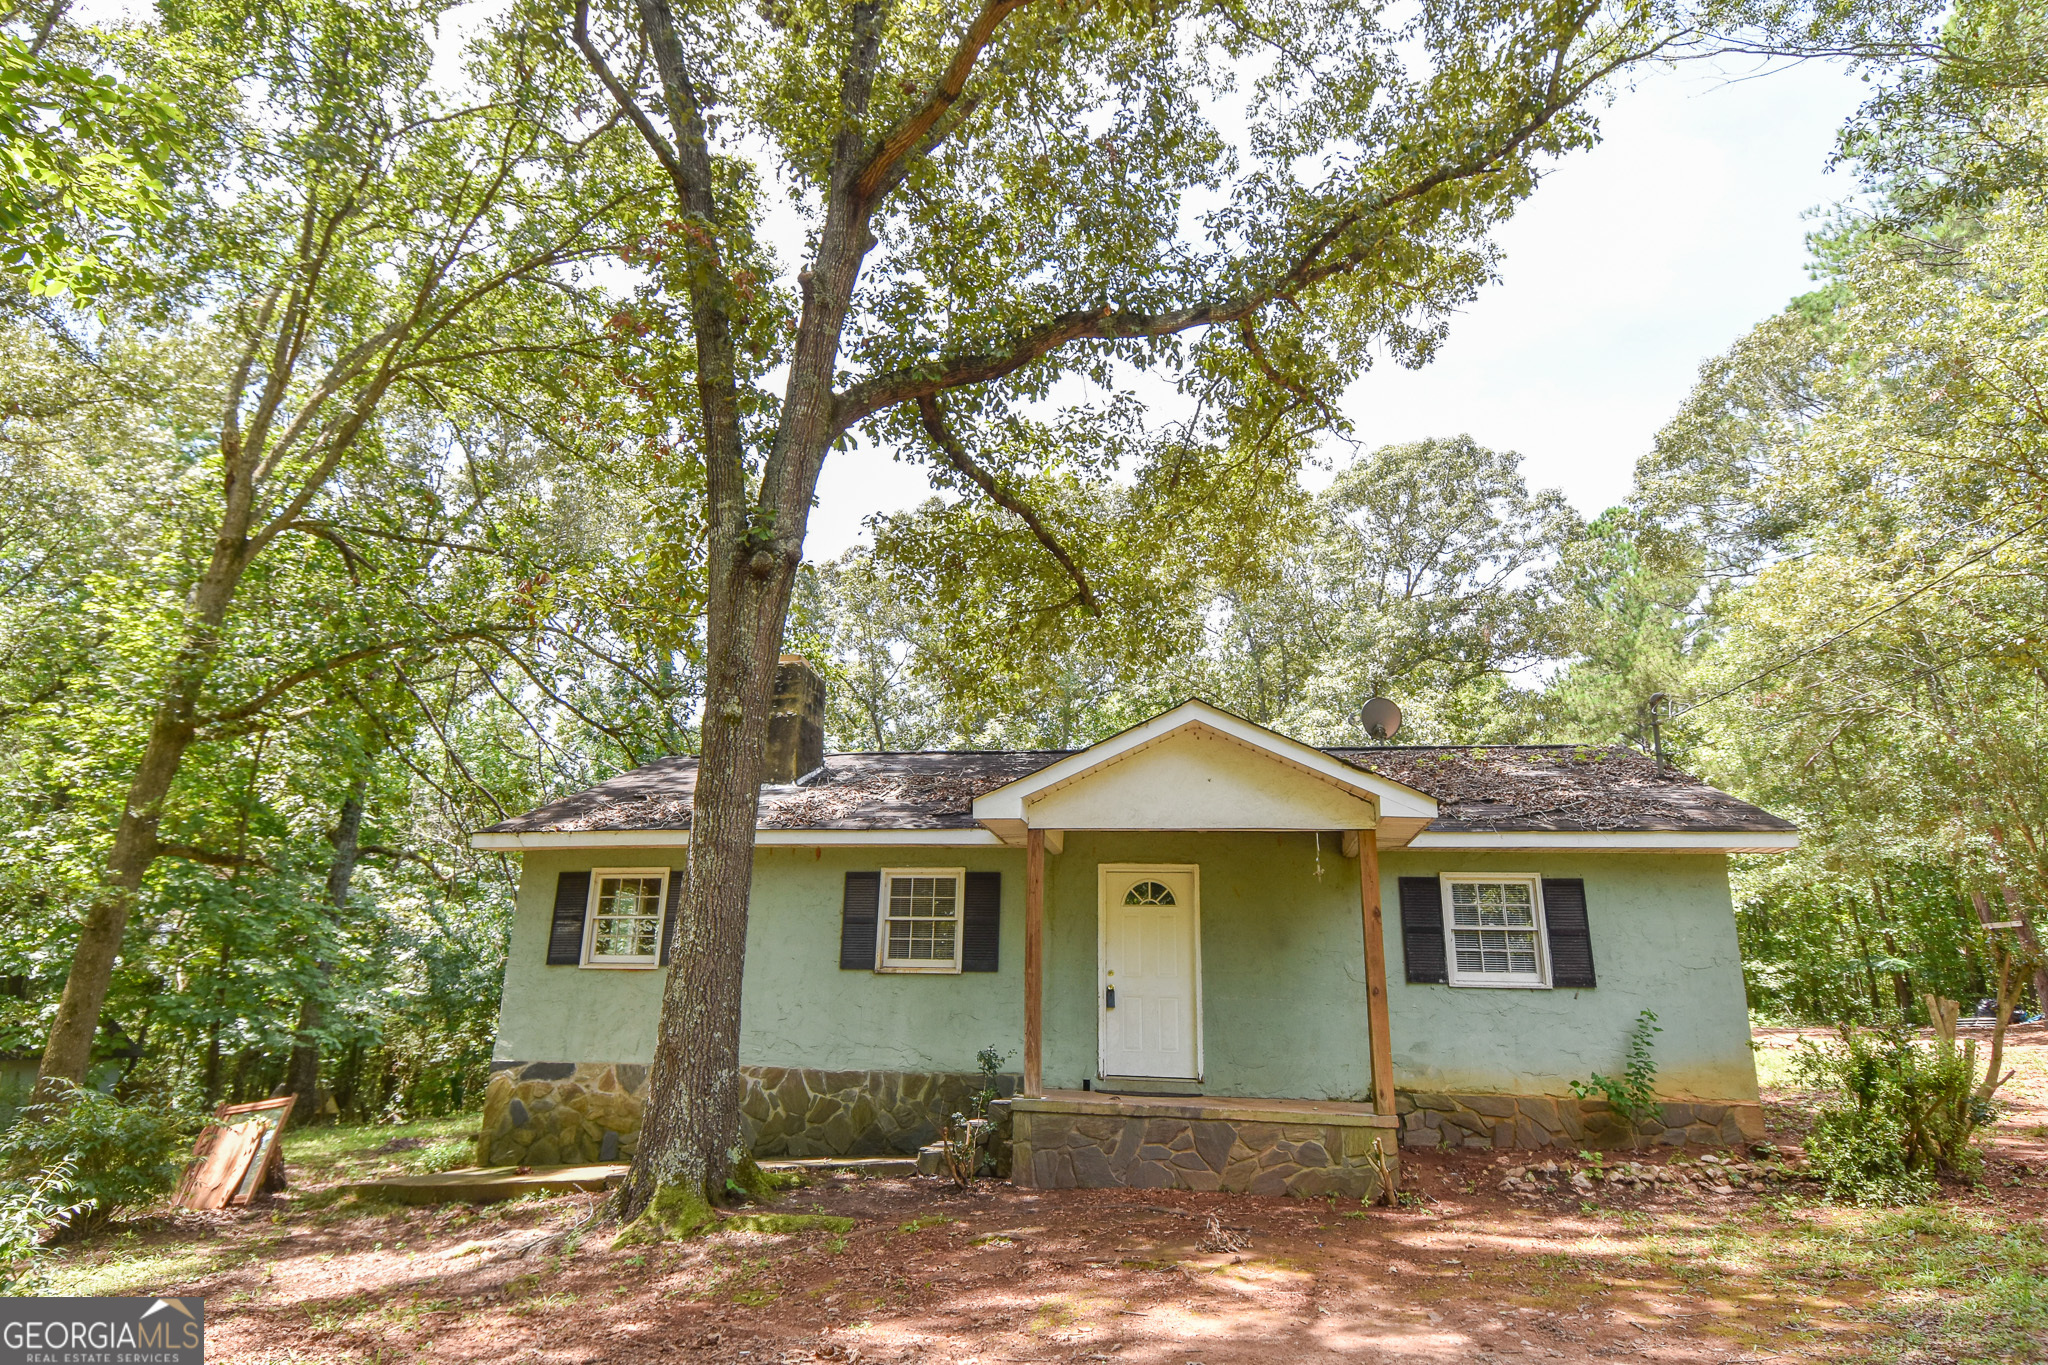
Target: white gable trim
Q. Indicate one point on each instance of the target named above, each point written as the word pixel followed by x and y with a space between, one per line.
pixel 1009 806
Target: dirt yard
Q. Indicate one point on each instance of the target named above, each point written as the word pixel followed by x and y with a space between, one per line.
pixel 1662 1270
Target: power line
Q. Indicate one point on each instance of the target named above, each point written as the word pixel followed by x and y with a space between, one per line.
pixel 1886 609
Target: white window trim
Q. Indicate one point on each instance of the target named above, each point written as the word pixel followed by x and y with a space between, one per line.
pixel 882 962
pixel 1488 981
pixel 635 963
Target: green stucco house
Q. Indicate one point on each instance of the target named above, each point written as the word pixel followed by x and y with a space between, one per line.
pixel 1217 957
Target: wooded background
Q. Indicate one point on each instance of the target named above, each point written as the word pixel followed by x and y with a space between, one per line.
pixel 473 577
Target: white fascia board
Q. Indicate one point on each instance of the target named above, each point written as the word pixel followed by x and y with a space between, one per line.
pixel 1639 840
pixel 1395 799
pixel 680 838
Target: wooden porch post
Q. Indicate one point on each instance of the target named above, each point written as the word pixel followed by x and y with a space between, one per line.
pixel 1380 1034
pixel 1034 961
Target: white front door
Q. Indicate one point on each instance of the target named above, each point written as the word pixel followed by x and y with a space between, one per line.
pixel 1150 993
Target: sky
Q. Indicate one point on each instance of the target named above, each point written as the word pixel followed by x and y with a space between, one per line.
pixel 1631 264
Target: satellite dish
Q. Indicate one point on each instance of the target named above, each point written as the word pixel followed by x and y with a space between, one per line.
pixel 1381 718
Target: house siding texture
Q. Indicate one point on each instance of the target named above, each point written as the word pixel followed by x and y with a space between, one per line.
pixel 1283 995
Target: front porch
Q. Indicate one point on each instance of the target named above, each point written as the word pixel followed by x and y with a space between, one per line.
pixel 1204 941
pixel 1069 1139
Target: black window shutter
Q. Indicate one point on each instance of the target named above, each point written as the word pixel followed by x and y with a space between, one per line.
pixel 1571 938
pixel 857 921
pixel 565 935
pixel 668 917
pixel 981 921
pixel 1422 930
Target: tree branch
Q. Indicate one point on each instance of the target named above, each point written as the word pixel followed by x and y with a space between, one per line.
pixel 192 853
pixel 312 671
pixel 1311 267
pixel 956 455
pixel 405 855
pixel 691 154
pixel 628 106
pixel 951 85
pixel 349 558
pixel 1250 335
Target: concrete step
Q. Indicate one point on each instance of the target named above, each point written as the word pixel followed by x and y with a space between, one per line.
pixel 488 1184
pixel 856 1165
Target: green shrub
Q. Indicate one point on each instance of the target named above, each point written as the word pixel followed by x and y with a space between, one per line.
pixel 32 1211
pixel 120 1156
pixel 1903 1112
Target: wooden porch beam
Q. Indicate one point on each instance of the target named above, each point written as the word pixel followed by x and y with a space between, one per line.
pixel 1379 1032
pixel 1034 962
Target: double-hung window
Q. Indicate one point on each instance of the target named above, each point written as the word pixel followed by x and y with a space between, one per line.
pixel 1494 929
pixel 625 917
pixel 920 920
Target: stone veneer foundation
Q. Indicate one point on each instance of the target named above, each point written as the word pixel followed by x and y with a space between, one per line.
pixel 1430 1119
pixel 565 1113
pixel 1247 1146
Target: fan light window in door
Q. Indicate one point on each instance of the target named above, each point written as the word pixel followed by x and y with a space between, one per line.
pixel 1148 893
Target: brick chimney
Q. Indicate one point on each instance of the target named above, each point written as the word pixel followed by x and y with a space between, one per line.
pixel 796 722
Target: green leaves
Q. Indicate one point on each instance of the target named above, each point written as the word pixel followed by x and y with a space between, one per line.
pixel 83 163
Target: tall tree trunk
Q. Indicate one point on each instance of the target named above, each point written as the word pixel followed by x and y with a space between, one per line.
pixel 171 733
pixel 209 1083
pixel 2016 909
pixel 690 1124
pixel 1863 947
pixel 348 1082
pixel 1902 981
pixel 302 1074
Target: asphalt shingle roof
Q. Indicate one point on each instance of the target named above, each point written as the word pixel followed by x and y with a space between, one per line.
pixel 1481 789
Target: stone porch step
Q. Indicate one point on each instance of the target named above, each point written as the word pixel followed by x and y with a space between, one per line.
pixel 1228 1108
pixel 488 1184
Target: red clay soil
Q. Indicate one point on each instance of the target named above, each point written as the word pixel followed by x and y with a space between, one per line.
pixel 996 1274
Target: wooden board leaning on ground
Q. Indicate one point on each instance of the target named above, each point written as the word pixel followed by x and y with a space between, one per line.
pixel 232 1161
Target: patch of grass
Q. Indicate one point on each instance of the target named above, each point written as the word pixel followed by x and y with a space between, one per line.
pixel 786 1223
pixel 406 1314
pixel 127 1272
pixel 1052 1315
pixel 1955 1282
pixel 1933 1281
pixel 754 1298
pixel 363 1151
pixel 930 1220
pixel 330 1317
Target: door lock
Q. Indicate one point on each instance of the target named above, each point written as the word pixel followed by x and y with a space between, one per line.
pixel 1109 998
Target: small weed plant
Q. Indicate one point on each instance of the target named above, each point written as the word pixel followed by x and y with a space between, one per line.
pixel 964 1136
pixel 1903 1113
pixel 445 1156
pixel 1634 1094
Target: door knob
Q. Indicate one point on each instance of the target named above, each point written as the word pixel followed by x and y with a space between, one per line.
pixel 1109 998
